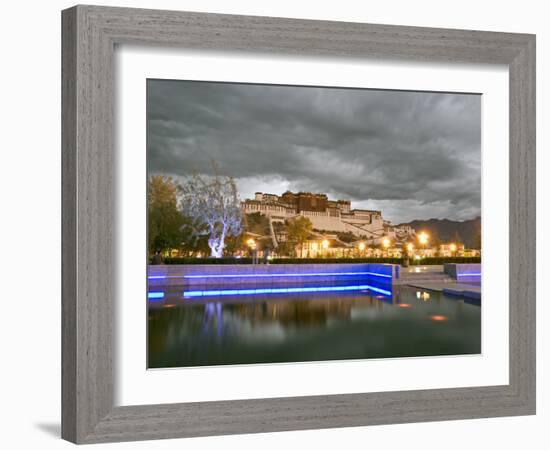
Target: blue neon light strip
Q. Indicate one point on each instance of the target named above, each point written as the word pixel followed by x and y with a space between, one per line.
pixel 468 274
pixel 155 295
pixel 264 275
pixel 189 294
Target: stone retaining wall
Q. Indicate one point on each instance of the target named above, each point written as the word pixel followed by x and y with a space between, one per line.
pixel 268 275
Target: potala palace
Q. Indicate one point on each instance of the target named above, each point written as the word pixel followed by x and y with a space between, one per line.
pixel 332 216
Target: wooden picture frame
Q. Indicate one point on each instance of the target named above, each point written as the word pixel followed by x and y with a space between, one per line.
pixel 90 34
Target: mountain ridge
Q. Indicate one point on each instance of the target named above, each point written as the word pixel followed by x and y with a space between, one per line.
pixel 445 230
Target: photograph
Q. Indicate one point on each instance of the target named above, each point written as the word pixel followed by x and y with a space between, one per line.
pixel 307 223
pixel 265 225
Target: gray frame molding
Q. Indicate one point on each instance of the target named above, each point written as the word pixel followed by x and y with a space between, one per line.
pixel 89 36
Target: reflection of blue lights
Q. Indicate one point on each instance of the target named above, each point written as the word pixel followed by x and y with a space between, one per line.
pixel 188 294
pixel 477 274
pixel 155 295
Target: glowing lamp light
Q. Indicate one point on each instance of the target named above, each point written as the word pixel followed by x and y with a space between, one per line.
pixel 386 242
pixel 453 247
pixel 410 247
pixel 362 246
pixel 423 238
pixel 251 243
pixel 325 244
pixel 438 318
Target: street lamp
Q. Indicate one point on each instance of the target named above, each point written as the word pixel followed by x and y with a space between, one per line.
pixel 362 247
pixel 423 238
pixel 252 245
pixel 410 247
pixel 453 248
pixel 386 244
pixel 324 245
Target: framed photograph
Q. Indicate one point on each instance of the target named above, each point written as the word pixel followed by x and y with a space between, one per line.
pixel 278 224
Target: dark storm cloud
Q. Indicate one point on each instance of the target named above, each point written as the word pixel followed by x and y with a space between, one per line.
pixel 414 155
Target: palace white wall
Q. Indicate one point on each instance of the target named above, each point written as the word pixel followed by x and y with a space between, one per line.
pixel 30 225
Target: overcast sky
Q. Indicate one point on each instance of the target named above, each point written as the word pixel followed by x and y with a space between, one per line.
pixel 412 155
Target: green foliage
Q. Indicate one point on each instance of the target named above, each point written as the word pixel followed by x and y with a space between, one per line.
pixel 336 260
pixel 347 237
pixel 257 223
pixel 286 248
pixel 442 260
pixel 298 230
pixel 165 223
pixel 229 260
pixel 223 260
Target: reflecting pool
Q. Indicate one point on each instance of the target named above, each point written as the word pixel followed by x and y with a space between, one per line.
pixel 309 326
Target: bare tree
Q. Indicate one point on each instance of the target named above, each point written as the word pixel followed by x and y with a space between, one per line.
pixel 212 205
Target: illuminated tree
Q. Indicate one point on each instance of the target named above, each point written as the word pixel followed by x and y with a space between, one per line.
pixel 212 205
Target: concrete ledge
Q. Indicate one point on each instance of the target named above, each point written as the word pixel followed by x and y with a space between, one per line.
pixel 470 292
pixel 267 275
pixel 463 272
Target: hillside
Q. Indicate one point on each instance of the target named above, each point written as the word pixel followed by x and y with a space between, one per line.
pixel 444 230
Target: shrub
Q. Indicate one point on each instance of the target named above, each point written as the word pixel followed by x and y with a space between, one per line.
pixel 441 260
pixel 229 260
pixel 336 260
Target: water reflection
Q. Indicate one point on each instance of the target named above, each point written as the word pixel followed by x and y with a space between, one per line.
pixel 309 327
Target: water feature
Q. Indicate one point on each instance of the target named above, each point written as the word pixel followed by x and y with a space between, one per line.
pixel 307 325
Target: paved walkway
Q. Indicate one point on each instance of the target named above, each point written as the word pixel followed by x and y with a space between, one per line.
pixel 422 269
pixel 457 289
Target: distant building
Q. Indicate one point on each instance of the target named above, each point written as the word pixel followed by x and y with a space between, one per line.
pixel 333 216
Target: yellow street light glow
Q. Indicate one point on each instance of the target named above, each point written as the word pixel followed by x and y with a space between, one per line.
pixel 423 238
pixel 453 247
pixel 410 247
pixel 251 243
pixel 362 246
pixel 325 243
pixel 386 242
